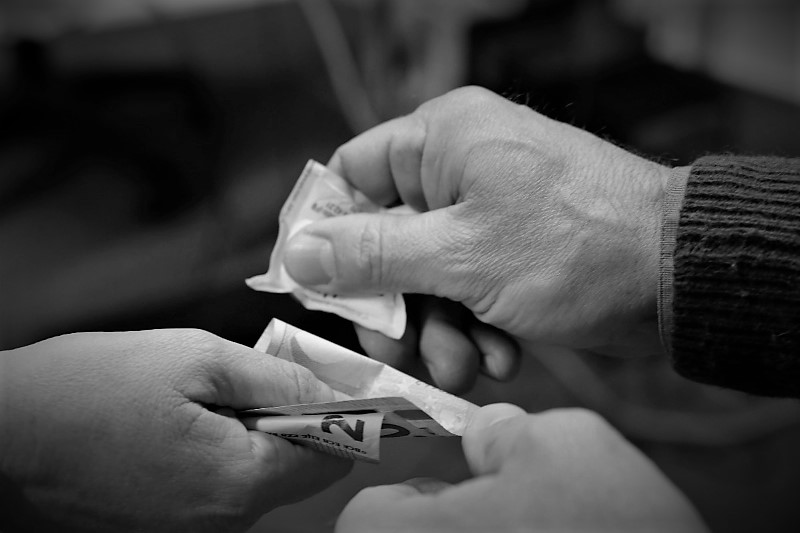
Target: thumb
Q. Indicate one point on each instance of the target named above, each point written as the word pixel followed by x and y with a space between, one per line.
pixel 491 436
pixel 373 253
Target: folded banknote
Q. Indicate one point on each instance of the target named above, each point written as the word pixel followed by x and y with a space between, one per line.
pixel 378 401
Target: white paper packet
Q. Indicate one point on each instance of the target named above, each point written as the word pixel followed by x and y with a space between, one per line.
pixel 320 194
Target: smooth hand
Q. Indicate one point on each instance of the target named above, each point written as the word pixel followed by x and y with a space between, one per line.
pixel 562 470
pixel 119 432
pixel 539 229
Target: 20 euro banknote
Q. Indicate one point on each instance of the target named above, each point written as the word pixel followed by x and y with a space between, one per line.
pixel 381 401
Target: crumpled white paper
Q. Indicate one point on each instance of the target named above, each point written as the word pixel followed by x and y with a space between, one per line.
pixel 320 194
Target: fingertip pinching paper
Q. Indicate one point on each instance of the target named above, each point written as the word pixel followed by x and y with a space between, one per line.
pixel 317 195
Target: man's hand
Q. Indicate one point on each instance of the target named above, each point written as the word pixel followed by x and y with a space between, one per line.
pixel 537 228
pixel 562 470
pixel 119 432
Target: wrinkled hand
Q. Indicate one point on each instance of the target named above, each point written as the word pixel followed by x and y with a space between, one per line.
pixel 562 470
pixel 538 228
pixel 117 432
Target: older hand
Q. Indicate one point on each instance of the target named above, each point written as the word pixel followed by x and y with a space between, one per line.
pixel 118 432
pixel 561 470
pixel 538 228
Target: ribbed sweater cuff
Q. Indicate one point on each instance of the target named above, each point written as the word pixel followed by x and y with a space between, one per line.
pixel 736 290
pixel 670 212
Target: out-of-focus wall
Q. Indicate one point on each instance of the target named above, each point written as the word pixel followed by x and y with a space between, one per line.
pixel 239 40
pixel 147 144
pixel 752 44
pixel 51 18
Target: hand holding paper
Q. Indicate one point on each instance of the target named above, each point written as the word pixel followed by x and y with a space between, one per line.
pixel 116 432
pixel 404 405
pixel 317 195
pixel 542 230
pixel 452 342
pixel 561 470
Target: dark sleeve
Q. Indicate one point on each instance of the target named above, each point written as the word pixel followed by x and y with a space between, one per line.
pixel 736 290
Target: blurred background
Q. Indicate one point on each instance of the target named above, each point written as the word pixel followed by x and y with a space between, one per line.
pixel 146 147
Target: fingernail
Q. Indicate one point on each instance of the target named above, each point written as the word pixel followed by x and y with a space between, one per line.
pixel 309 260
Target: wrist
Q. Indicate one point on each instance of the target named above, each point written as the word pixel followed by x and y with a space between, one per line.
pixel 647 183
pixel 660 178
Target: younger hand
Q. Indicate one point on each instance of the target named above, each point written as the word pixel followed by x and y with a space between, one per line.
pixel 118 432
pixel 562 470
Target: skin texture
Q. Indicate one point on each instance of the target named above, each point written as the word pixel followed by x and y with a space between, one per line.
pixel 536 230
pixel 562 470
pixel 123 432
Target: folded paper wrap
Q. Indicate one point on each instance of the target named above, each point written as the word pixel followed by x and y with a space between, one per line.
pixel 320 194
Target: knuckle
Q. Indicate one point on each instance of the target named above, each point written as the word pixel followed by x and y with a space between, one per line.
pixel 407 145
pixel 203 342
pixel 195 354
pixel 461 102
pixel 477 102
pixel 473 94
pixel 302 383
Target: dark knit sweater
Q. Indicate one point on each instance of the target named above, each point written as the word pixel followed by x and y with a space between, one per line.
pixel 736 291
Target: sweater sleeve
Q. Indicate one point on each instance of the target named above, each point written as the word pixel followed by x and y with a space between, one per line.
pixel 735 317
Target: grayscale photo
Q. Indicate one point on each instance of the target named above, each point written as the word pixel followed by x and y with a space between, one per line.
pixel 407 266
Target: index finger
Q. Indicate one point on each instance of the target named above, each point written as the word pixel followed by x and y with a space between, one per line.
pixel 385 162
pixel 240 377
